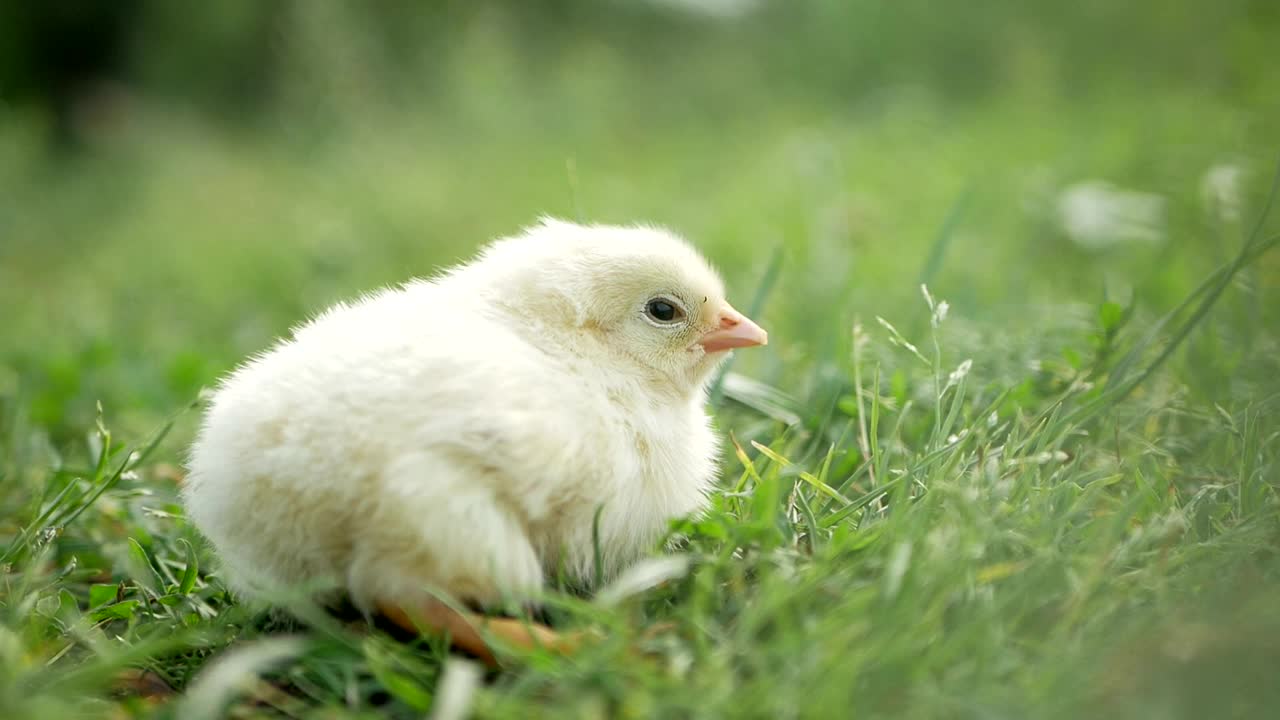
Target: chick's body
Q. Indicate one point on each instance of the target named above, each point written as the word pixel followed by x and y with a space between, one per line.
pixel 460 434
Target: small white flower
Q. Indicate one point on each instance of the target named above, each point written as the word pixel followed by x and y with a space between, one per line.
pixel 1096 215
pixel 960 372
pixel 940 312
pixel 1081 386
pixel 860 337
pixel 1220 189
pixel 937 308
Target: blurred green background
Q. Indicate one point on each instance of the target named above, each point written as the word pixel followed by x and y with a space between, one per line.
pixel 183 182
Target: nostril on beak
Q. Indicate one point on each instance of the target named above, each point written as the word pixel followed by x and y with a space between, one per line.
pixel 729 321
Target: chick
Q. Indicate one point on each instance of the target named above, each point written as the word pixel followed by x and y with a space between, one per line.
pixel 462 433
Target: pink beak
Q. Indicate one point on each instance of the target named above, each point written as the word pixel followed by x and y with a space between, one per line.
pixel 735 331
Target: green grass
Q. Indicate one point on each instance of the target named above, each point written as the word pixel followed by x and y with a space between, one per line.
pixel 1085 523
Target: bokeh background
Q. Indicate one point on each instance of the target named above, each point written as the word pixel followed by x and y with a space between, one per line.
pixel 182 182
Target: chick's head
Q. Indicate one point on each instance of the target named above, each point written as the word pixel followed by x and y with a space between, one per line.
pixel 638 298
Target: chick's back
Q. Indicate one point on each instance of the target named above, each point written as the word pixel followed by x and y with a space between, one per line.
pixel 406 437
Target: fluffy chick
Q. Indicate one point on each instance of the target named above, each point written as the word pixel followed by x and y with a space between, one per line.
pixel 460 433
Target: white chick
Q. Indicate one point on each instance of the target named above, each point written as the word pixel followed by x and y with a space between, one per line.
pixel 460 433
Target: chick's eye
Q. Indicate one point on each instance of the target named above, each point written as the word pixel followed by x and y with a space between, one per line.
pixel 663 311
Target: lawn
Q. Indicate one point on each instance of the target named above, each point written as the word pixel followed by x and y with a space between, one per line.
pixel 1003 458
